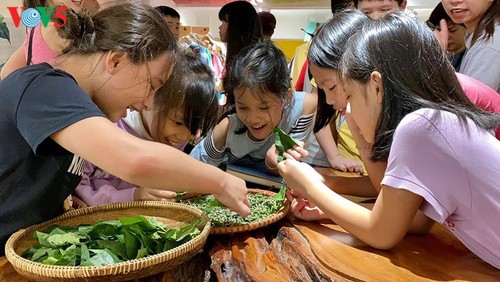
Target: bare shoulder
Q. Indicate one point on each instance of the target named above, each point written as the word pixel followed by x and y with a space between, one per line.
pixel 310 103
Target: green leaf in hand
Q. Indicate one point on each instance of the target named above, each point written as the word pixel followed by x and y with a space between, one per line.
pixel 283 142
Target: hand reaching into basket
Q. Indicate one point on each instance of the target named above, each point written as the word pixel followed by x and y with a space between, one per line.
pixel 234 194
pixel 148 194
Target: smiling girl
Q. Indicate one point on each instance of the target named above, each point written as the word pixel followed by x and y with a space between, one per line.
pixel 184 107
pixel 481 18
pixel 54 119
pixel 258 84
pixel 439 147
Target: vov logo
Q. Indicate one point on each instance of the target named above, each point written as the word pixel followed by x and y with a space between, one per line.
pixel 31 17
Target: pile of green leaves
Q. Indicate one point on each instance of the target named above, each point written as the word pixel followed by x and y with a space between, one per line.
pixel 262 207
pixel 108 242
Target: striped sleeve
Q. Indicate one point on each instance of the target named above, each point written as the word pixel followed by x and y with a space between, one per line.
pixel 206 151
pixel 302 128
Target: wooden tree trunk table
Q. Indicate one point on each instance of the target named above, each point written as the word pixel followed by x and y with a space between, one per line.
pixel 294 250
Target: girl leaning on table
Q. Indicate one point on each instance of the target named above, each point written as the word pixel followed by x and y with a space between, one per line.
pixel 53 119
pixel 184 107
pixel 439 147
pixel 257 83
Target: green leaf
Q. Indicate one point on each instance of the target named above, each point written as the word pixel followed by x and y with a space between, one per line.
pixel 42 238
pixel 85 256
pixel 283 142
pixel 103 257
pixel 114 246
pixel 58 240
pixel 4 31
pixel 131 244
pixel 281 194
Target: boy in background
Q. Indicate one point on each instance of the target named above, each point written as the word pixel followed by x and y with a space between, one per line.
pixel 454 39
pixel 376 9
pixel 172 18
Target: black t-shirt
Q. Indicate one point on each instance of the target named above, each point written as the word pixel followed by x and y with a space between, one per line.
pixel 36 174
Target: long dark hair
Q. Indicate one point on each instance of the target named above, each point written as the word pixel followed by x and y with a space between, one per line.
pixel 143 36
pixel 487 23
pixel 326 49
pixel 243 26
pixel 415 74
pixel 191 86
pixel 261 68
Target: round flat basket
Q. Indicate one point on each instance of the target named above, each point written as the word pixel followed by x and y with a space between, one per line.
pixel 171 214
pixel 254 225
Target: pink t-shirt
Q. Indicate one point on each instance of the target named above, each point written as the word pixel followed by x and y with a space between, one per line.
pixel 481 95
pixel 40 51
pixel 455 167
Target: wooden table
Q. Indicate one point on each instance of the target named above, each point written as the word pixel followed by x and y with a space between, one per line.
pixel 294 250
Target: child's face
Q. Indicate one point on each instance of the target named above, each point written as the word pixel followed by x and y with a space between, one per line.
pixel 223 31
pixel 129 85
pixel 456 36
pixel 468 12
pixel 259 114
pixel 376 9
pixel 174 25
pixel 328 80
pixel 173 131
pixel 364 103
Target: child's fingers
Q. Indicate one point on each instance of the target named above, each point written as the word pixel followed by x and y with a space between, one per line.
pixel 303 152
pixel 162 193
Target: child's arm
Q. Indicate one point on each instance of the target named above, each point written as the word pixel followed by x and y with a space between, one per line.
pixel 382 228
pixel 149 164
pixel 16 61
pixel 329 147
pixel 211 148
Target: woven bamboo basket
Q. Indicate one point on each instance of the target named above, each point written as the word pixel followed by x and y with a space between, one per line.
pixel 254 225
pixel 171 214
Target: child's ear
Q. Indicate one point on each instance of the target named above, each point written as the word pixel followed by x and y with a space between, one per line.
pixel 289 96
pixel 375 85
pixel 115 60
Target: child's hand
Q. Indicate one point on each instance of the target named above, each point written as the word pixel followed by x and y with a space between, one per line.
pixel 300 177
pixel 233 194
pixel 346 164
pixel 148 194
pixel 78 203
pixel 298 152
pixel 302 208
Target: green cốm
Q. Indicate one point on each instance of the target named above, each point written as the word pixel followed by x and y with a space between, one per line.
pixel 262 207
pixel 108 242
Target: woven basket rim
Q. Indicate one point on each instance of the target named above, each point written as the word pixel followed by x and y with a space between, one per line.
pixel 254 225
pixel 45 270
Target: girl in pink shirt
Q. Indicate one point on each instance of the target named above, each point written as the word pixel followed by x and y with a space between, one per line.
pixel 43 44
pixel 412 113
